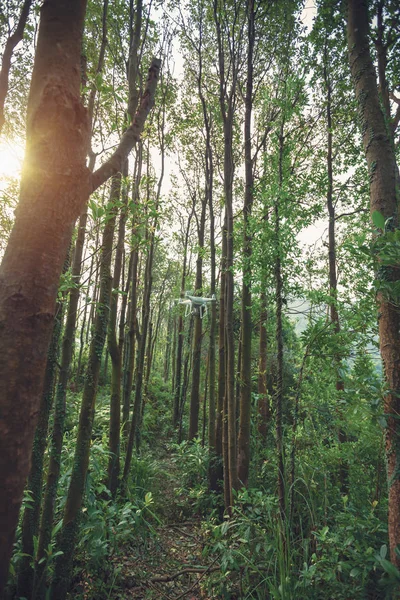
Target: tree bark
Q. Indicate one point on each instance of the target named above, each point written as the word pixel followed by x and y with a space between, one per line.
pixel 247 327
pixel 115 351
pixel 130 360
pixel 264 410
pixel 384 197
pixel 279 339
pixel 54 187
pixel 221 415
pixel 197 336
pixel 31 517
pixel 178 362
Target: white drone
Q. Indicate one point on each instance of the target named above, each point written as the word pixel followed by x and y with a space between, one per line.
pixel 196 305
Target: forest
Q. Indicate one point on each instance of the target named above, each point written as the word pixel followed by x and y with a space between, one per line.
pixel 199 299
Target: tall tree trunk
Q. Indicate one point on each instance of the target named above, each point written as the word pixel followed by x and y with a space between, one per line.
pixel 68 534
pixel 55 187
pixel 115 351
pixel 197 336
pixel 247 327
pixel 31 267
pixel 141 355
pixel 134 261
pixel 279 338
pixel 31 517
pixel 173 365
pixel 168 345
pixel 334 315
pixel 53 471
pixel 134 431
pixel 227 94
pixel 186 376
pixel 204 424
pixel 230 341
pixel 160 315
pixel 221 414
pixel 264 411
pixel 148 354
pixel 214 470
pixel 384 197
pixel 178 363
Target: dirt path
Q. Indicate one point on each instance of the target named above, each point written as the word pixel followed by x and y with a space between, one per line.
pixel 168 565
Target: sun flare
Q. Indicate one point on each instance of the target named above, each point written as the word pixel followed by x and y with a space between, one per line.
pixel 11 156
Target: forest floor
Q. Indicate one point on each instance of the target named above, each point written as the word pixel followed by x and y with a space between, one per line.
pixel 168 564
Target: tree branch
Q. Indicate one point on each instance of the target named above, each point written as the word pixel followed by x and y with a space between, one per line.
pixel 132 135
pixel 12 41
pixel 166 578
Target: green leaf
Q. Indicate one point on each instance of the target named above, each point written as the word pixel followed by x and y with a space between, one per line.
pixel 378 220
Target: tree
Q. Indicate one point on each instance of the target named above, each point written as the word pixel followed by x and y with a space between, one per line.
pixel 55 186
pixel 228 73
pixel 384 199
pixel 246 331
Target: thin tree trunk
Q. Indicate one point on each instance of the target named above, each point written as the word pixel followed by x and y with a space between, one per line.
pixel 115 352
pixel 247 327
pixel 95 295
pixel 186 376
pixel 204 425
pixel 230 341
pixel 197 336
pixel 148 354
pixel 167 355
pixel 221 414
pixel 178 364
pixel 227 87
pixel 279 340
pixel 173 366
pixel 264 410
pixel 68 534
pixel 334 315
pixel 225 452
pixel 134 431
pixel 214 469
pixel 130 360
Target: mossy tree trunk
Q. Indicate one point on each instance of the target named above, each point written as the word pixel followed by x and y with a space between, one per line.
pixel 67 539
pixel 115 351
pixel 133 276
pixel 31 516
